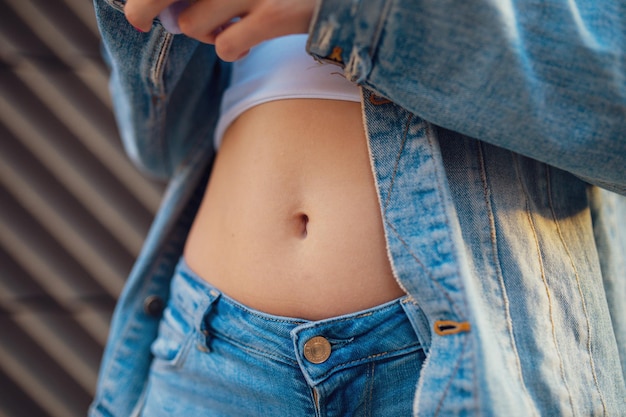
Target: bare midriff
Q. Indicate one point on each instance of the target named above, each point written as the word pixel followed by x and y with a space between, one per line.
pixel 290 222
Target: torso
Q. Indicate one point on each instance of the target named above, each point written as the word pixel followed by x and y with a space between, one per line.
pixel 290 223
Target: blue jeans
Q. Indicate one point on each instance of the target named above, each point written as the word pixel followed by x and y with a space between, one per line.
pixel 216 357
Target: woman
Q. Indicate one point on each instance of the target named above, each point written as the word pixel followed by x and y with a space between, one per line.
pixel 485 273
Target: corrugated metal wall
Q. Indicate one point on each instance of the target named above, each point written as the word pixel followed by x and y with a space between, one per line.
pixel 73 210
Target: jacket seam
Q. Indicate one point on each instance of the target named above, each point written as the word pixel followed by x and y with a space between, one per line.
pixel 439 179
pixel 559 231
pixel 399 236
pixel 379 28
pixel 397 163
pixel 495 257
pixel 452 377
pixel 544 278
pixel 157 70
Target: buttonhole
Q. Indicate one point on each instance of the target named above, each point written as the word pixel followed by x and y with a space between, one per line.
pixel 449 327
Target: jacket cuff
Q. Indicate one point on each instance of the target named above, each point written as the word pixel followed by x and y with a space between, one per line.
pixel 346 33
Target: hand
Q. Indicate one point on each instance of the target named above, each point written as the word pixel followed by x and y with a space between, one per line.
pixel 233 26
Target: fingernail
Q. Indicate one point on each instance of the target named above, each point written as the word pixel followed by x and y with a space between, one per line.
pixel 137 29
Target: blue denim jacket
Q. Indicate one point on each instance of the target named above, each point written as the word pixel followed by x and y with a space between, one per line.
pixel 516 260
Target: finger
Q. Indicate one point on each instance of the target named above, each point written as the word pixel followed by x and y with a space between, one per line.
pixel 205 18
pixel 234 41
pixel 266 20
pixel 141 13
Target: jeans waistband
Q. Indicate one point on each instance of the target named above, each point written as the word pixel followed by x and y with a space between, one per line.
pixel 383 331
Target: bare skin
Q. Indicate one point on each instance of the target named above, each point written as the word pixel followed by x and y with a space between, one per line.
pixel 290 223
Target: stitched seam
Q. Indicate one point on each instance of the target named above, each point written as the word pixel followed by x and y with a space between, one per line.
pixel 579 288
pixel 407 349
pixel 299 322
pixel 379 28
pixel 385 208
pixel 452 377
pixel 543 278
pixel 156 73
pixel 426 271
pixel 368 409
pixel 448 228
pixel 294 322
pixel 158 96
pixel 390 353
pixel 463 294
pixel 395 168
pixel 494 251
pixel 395 231
pixel 254 350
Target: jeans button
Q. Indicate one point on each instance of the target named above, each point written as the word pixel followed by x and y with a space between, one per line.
pixel 317 349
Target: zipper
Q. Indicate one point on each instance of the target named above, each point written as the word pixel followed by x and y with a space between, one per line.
pixel 316 402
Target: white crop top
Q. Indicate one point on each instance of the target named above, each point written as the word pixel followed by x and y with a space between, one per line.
pixel 280 69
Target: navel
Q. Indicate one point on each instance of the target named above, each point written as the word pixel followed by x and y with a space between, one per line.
pixel 303 222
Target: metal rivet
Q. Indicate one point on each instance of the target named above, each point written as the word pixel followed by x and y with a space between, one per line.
pixel 153 305
pixel 317 350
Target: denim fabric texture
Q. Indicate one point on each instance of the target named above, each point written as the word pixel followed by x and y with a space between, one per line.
pixel 496 136
pixel 214 356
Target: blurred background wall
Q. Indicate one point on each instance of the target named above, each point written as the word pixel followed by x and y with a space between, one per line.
pixel 73 210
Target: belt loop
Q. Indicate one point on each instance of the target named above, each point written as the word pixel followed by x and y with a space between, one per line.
pixel 201 322
pixel 418 321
